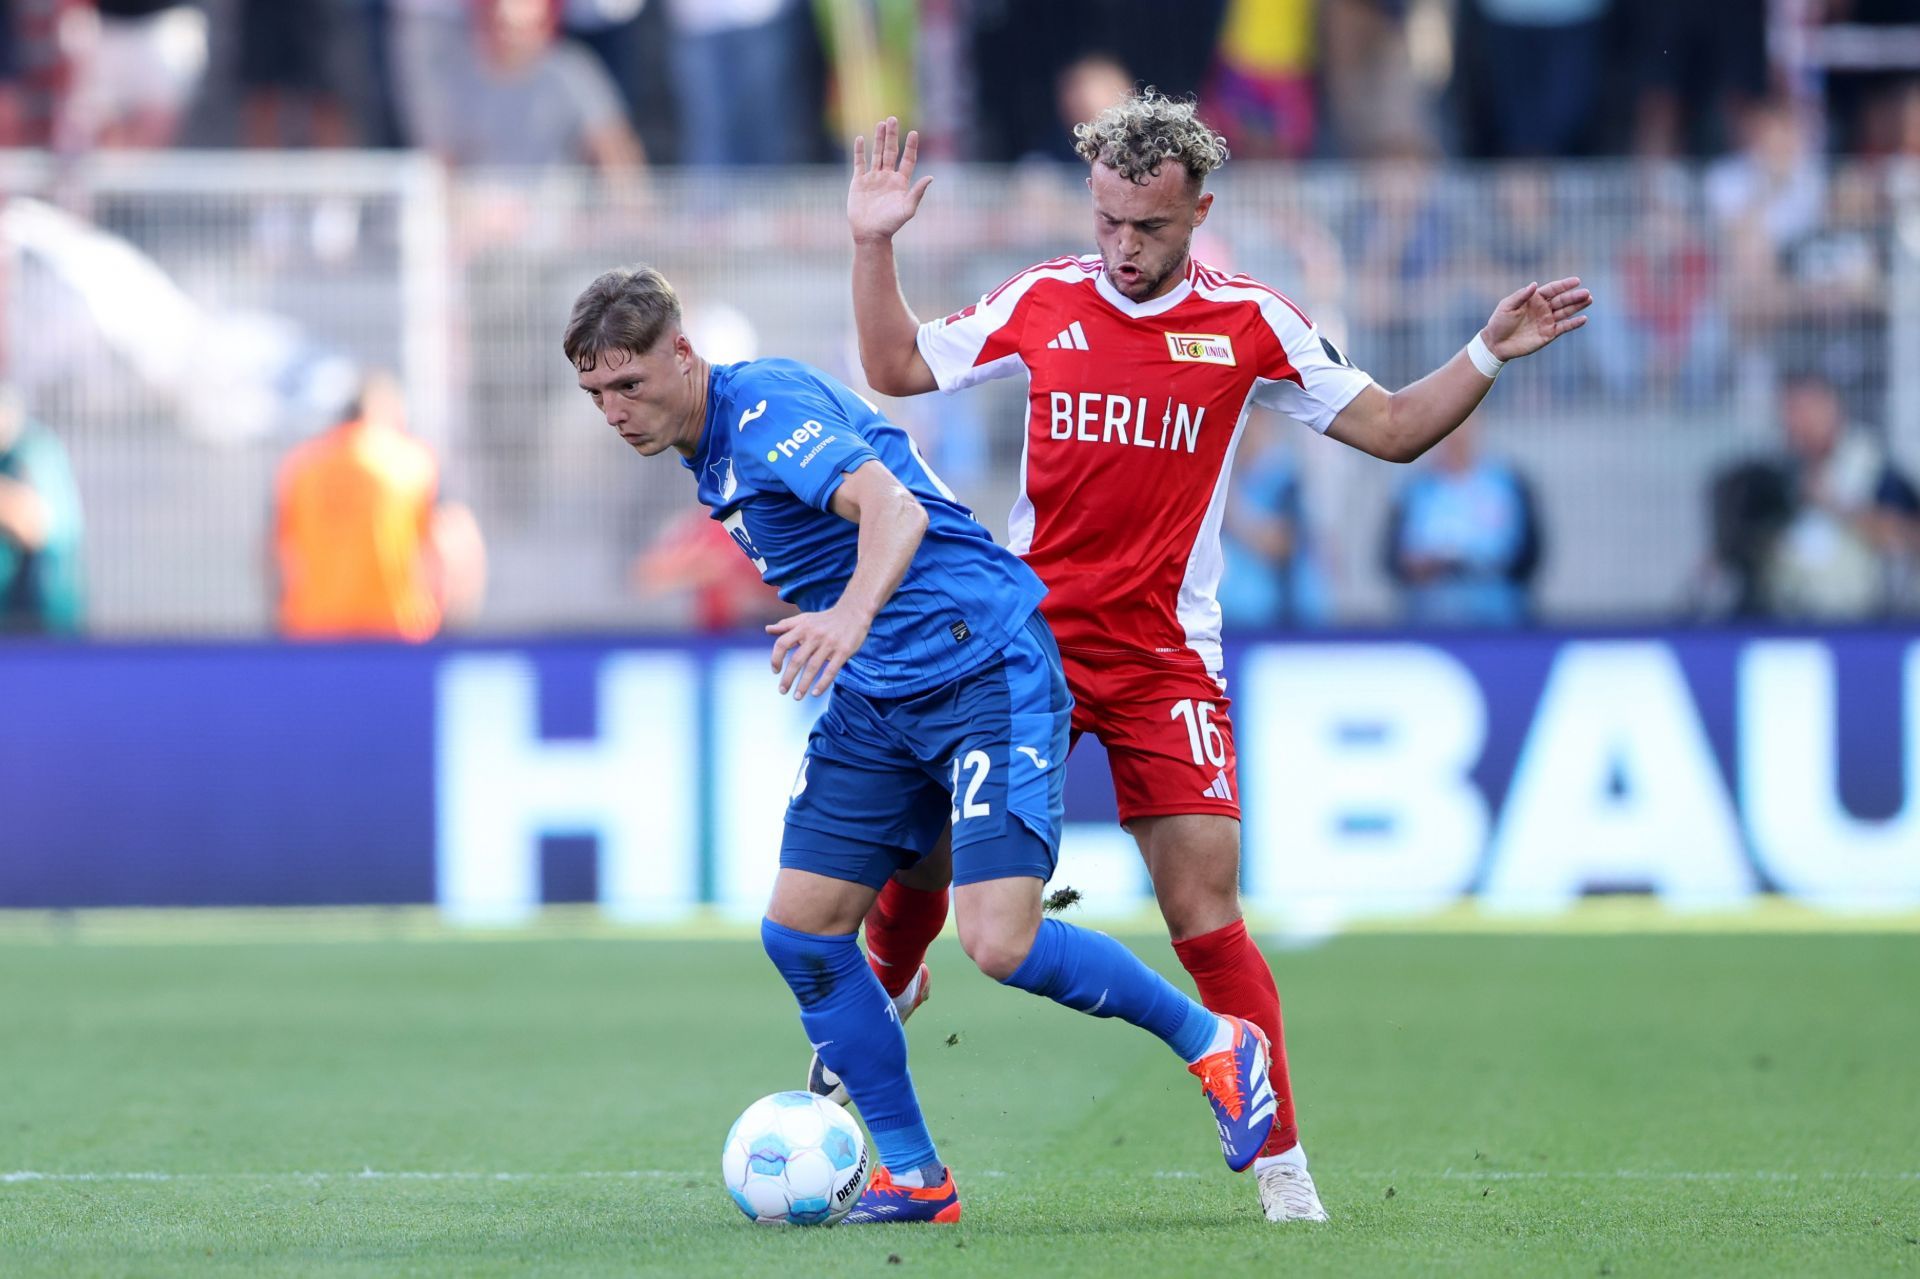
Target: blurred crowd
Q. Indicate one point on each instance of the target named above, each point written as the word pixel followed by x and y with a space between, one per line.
pixel 739 82
pixel 1745 257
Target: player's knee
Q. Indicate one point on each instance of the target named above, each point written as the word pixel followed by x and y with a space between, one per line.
pixel 997 947
pixel 1195 910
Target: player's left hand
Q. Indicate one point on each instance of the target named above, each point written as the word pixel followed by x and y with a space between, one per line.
pixel 812 647
pixel 1529 319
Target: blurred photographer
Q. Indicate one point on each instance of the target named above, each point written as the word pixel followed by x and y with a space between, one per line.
pixel 1849 547
pixel 40 578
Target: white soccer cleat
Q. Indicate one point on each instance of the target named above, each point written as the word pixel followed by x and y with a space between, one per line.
pixel 1287 1194
pixel 822 1082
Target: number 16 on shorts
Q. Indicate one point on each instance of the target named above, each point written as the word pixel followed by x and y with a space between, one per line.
pixel 1203 735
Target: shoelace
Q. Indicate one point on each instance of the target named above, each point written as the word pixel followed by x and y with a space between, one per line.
pixel 1290 1186
pixel 1220 1079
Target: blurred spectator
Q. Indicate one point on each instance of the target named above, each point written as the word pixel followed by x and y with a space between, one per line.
pixel 1772 191
pixel 1528 232
pixel 1464 538
pixel 696 556
pixel 1273 576
pixel 1261 91
pixel 41 590
pixel 1086 87
pixel 612 29
pixel 140 65
pixel 1832 312
pixel 1529 72
pixel 1414 292
pixel 1749 505
pixel 13 105
pixel 1863 105
pixel 1697 66
pixel 290 72
pixel 1849 549
pixel 1374 105
pixel 740 81
pixel 430 44
pixel 518 95
pixel 365 548
pixel 1017 50
pixel 1667 330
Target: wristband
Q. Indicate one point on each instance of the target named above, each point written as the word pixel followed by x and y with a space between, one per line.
pixel 1483 359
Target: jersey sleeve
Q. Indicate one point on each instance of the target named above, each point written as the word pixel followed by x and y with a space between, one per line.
pixel 1304 375
pixel 980 342
pixel 790 436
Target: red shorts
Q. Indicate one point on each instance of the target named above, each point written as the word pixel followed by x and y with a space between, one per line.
pixel 1164 723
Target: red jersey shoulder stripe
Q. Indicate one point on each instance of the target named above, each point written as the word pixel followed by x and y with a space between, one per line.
pixel 1051 264
pixel 1248 282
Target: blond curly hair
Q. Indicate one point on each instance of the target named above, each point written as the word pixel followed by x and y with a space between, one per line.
pixel 1136 136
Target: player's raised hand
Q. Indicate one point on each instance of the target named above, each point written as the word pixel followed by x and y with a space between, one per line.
pixel 812 647
pixel 1528 319
pixel 884 195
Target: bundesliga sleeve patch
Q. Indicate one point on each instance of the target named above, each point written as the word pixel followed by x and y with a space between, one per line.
pixel 1201 348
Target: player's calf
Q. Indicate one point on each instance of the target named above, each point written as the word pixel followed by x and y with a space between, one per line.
pixel 823 1082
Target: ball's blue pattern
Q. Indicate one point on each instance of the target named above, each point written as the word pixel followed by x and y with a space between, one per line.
pixel 809 1212
pixel 740 1200
pixel 840 1149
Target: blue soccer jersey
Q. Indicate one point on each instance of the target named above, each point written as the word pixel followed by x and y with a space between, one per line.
pixel 779 437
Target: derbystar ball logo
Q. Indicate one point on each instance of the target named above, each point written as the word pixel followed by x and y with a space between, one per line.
pixel 1200 348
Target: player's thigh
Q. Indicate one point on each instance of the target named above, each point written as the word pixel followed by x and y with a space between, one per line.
pixel 810 902
pixel 862 807
pixel 1168 737
pixel 1001 742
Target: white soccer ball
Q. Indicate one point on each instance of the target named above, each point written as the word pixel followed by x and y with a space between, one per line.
pixel 794 1159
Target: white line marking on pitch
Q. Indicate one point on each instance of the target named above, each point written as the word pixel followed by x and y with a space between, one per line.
pixel 365 1174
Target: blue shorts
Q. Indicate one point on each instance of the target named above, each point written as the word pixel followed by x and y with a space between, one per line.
pixel 987 753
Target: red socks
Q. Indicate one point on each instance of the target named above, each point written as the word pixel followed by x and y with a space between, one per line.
pixel 1234 978
pixel 902 924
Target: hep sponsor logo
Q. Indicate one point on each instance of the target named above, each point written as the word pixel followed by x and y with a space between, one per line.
pixel 1094 418
pixel 804 434
pixel 1200 348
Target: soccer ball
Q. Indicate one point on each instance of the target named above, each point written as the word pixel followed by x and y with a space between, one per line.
pixel 794 1159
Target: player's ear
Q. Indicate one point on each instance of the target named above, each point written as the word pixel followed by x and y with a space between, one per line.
pixel 1202 207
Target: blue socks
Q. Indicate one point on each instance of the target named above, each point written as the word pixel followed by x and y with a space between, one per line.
pixel 851 1023
pixel 1092 973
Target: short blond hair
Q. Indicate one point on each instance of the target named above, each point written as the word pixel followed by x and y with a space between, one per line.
pixel 1138 135
pixel 626 309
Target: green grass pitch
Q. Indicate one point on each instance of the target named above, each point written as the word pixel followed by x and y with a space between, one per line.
pixel 1627 1105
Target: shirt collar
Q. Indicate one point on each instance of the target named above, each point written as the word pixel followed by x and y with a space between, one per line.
pixel 1142 310
pixel 716 391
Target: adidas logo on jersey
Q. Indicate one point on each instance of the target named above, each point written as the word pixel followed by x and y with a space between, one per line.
pixel 1072 338
pixel 1219 789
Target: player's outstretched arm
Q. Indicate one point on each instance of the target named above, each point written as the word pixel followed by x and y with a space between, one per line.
pixel 1401 426
pixel 810 648
pixel 883 198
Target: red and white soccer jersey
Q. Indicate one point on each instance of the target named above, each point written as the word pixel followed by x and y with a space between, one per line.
pixel 1134 410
